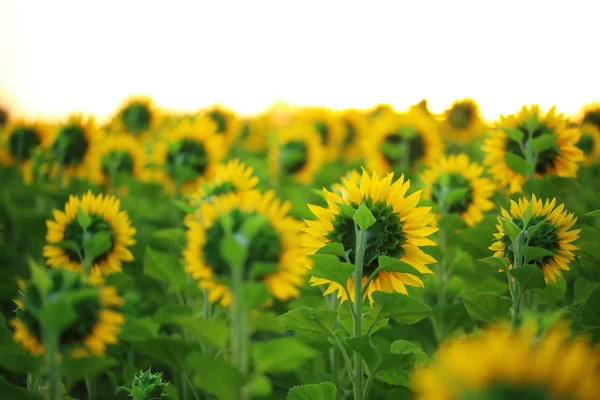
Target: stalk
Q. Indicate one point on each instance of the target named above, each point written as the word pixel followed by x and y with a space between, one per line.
pixel 358 273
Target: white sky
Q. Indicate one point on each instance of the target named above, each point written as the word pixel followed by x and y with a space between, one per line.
pixel 61 56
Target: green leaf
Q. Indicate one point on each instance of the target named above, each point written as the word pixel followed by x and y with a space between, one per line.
pixel 100 243
pixel 529 277
pixel 391 264
pixel 57 313
pixel 10 391
pixel 363 217
pixel 528 213
pixel 514 134
pixel 215 376
pixel 210 332
pixel 83 219
pixel 78 369
pixel 535 253
pixel 252 225
pixel 333 249
pixel 406 347
pixel 456 196
pixel 165 268
pixel 487 307
pixel 136 329
pixel 284 354
pixel 169 351
pixel 590 314
pixel 13 357
pixel 254 294
pixel 534 228
pixel 260 269
pixel 595 213
pixel 40 277
pixel 403 376
pixel 345 318
pixel 68 245
pixel 500 263
pixel 233 251
pixel 174 237
pixel 543 142
pixel 399 307
pixel 331 268
pixel 518 164
pixel 266 321
pixel 184 206
pixel 377 355
pixel 309 321
pixel 510 229
pixel 318 391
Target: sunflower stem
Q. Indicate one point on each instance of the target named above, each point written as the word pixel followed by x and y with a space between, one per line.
pixel 358 274
pixel 239 348
pixel 516 292
pixel 51 346
pixel 90 386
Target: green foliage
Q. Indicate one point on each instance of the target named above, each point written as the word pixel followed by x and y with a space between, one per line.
pixel 318 391
pixel 487 307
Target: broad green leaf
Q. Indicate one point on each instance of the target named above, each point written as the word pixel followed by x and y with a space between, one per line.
pixel 363 217
pixel 57 313
pixel 284 354
pixel 534 228
pixel 334 249
pixel 543 142
pixel 268 321
pixel 535 253
pixel 318 391
pixel 76 370
pixel 254 294
pixel 260 269
pixel 331 268
pixel 9 391
pixel 500 263
pixel 347 321
pixel 184 206
pixel 377 355
pixel 456 196
pixel 399 307
pixel 165 268
pixel 233 250
pixel 510 229
pixel 68 245
pixel 514 134
pixel 402 377
pixel 309 321
pixel 100 243
pixel 518 164
pixel 174 237
pixel 529 277
pixel 165 350
pixel 595 213
pixel 83 219
pixel 487 307
pixel 13 357
pixel 260 386
pixel 590 315
pixel 210 332
pixel 40 277
pixel 391 264
pixel 528 213
pixel 406 347
pixel 136 329
pixel 252 225
pixel 215 376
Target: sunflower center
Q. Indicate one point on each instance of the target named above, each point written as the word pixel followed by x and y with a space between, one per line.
pixel 384 238
pixel 460 115
pixel 503 391
pixel 22 142
pixel 406 144
pixel 220 120
pixel 323 130
pixel 294 155
pixel 350 133
pixel 136 117
pixel 188 154
pixel 545 237
pixel 586 144
pixel 117 162
pixel 264 247
pixel 74 233
pixel 449 182
pixel 592 117
pixel 546 158
pixel 71 144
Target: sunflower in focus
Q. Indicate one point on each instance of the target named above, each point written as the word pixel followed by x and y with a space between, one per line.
pixel 471 192
pixel 97 323
pixel 554 234
pixel 513 363
pixel 329 128
pixel 355 127
pixel 401 142
pixel 137 116
pixel 560 159
pixel 463 122
pixel 589 143
pixel 400 231
pixel 189 153
pixel 277 243
pixel 118 155
pixel 226 121
pixel 65 238
pixel 296 151
pixel 19 141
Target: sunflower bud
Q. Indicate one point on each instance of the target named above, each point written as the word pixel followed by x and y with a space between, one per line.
pixel 147 386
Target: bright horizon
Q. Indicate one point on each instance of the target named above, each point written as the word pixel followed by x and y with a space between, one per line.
pixel 70 56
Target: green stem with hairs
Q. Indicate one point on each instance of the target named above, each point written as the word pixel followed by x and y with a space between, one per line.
pixel 51 347
pixel 358 274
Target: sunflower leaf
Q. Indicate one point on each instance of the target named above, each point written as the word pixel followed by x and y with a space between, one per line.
pixel 528 214
pixel 216 376
pixel 391 264
pixel 76 370
pixel 514 134
pixel 331 268
pixel 317 391
pixel 165 268
pixel 529 277
pixel 590 315
pixel 309 321
pixel 399 307
pixel 487 307
pixel 363 217
pixel 500 263
pixel 334 249
pixel 100 243
pixel 543 142
pixel 536 253
pixel 184 206
pixel 510 229
pixel 282 354
pixel 83 218
pixel 518 164
pixel 595 213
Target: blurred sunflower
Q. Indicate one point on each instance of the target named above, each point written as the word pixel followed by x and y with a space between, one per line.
pixel 553 234
pixel 560 159
pixel 296 151
pixel 507 363
pixel 380 110
pixel 4 116
pixel 423 107
pixel 589 143
pixel 277 243
pixel 65 237
pixel 189 153
pixel 458 185
pixel 463 122
pixel 399 232
pixel 328 127
pixel 590 114
pixel 117 155
pixel 254 131
pixel 355 126
pixel 72 148
pixel 226 122
pixel 137 115
pixel 97 323
pixel 18 142
pixel 401 142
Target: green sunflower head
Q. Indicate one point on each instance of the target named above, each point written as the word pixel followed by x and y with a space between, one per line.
pixel 461 115
pixel 22 142
pixel 403 146
pixel 186 160
pixel 293 156
pixel 71 144
pixel 147 386
pixel 136 117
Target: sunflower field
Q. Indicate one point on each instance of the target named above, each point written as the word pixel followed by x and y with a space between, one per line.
pixel 302 253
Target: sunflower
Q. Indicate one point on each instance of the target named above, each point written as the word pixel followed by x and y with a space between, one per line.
pixel 137 115
pixel 72 146
pixel 18 142
pixel 297 151
pixel 356 127
pixel 65 247
pixel 328 127
pixel 401 229
pixel 508 363
pixel 553 234
pixel 254 131
pixel 189 153
pixel 4 116
pixel 457 173
pixel 277 243
pixel 97 323
pixel 226 121
pixel 590 114
pixel 589 143
pixel 118 154
pixel 402 141
pixel 462 122
pixel 560 159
